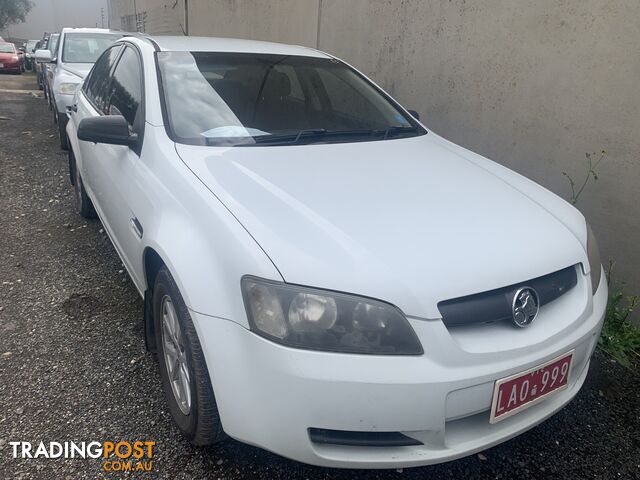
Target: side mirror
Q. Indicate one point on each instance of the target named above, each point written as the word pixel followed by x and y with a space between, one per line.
pixel 415 114
pixel 111 129
pixel 43 56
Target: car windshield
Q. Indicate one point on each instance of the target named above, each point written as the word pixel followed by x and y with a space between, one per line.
pixel 31 45
pixel 7 48
pixel 53 44
pixel 86 47
pixel 242 99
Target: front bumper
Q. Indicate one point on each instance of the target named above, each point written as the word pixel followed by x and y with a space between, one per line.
pixel 269 395
pixel 10 66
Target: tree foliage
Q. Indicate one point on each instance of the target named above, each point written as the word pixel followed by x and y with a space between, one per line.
pixel 13 11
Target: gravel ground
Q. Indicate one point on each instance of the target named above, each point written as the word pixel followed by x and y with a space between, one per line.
pixel 73 364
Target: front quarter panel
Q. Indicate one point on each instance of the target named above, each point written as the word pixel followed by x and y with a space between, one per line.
pixel 204 247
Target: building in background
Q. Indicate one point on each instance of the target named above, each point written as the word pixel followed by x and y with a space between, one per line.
pixel 161 17
pixel 53 15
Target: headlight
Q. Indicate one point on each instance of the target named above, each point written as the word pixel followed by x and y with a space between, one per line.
pixel 322 320
pixel 593 254
pixel 67 88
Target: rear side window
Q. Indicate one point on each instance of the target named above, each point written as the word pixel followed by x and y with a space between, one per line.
pixel 96 87
pixel 126 87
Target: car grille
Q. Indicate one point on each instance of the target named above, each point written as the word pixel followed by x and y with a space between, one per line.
pixel 495 305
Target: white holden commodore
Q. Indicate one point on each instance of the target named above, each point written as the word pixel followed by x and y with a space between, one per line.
pixel 323 276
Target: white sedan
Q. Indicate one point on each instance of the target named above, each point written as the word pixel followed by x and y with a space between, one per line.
pixel 323 276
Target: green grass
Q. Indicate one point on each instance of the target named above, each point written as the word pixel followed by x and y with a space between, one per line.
pixel 620 337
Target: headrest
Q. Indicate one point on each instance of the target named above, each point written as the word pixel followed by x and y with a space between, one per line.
pixel 277 85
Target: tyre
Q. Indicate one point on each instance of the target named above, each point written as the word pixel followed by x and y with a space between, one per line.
pixel 62 134
pixel 185 377
pixel 83 203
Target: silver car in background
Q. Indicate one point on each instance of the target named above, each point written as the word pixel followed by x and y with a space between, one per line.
pixel 77 50
pixel 49 69
pixel 30 46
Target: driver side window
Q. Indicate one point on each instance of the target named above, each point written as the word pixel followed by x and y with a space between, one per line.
pixel 126 88
pixel 96 86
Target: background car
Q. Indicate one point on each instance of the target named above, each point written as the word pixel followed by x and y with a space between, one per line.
pixel 77 50
pixel 30 47
pixel 48 71
pixel 20 52
pixel 10 61
pixel 44 42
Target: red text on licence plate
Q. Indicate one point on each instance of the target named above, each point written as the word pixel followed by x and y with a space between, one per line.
pixel 524 389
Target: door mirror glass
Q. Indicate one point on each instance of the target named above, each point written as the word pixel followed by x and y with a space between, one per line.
pixel 110 129
pixel 43 56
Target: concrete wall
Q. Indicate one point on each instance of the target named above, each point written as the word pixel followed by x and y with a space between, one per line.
pixel 286 21
pixel 532 85
pixel 153 16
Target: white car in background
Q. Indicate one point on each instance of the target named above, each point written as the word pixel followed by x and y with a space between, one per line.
pixel 76 50
pixel 49 72
pixel 322 276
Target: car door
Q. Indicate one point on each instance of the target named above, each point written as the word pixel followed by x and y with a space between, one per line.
pixel 92 102
pixel 112 169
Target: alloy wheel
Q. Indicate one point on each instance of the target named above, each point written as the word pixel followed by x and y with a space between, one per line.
pixel 175 356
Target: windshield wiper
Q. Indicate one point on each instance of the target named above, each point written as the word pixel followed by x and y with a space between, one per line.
pixel 395 130
pixel 310 131
pixel 312 135
pixel 309 135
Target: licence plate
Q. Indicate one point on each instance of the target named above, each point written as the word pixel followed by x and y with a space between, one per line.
pixel 524 389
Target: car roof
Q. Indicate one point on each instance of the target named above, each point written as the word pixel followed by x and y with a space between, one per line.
pixel 232 45
pixel 89 30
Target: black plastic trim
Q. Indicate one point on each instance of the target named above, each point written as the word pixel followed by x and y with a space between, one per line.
pixel 361 439
pixel 495 305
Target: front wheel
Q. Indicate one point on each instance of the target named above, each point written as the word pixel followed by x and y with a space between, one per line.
pixel 62 132
pixel 185 377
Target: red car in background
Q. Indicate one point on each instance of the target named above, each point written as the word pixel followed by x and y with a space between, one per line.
pixel 9 58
